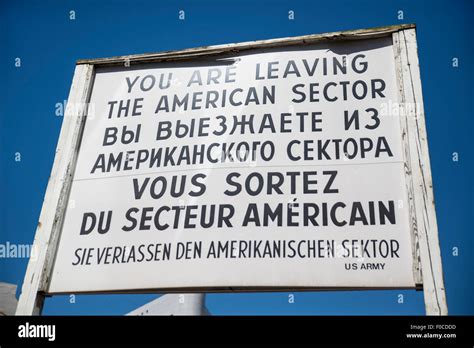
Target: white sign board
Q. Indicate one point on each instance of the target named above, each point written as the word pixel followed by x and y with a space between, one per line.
pixel 275 168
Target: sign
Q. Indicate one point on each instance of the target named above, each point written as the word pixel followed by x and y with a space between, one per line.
pixel 275 168
pixel 297 163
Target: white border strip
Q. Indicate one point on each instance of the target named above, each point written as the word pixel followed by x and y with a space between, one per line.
pixel 57 193
pixel 421 198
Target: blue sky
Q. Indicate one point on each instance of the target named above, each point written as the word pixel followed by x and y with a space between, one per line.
pixel 48 43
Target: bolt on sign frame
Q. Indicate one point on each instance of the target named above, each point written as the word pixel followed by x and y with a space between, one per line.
pixel 427 268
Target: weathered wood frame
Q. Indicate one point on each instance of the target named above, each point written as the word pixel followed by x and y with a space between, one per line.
pixel 57 193
pixel 427 258
pixel 428 266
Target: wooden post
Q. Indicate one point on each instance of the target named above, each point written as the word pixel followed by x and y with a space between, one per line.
pixel 57 193
pixel 428 267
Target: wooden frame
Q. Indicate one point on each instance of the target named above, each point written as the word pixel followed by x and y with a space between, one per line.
pixel 57 193
pixel 427 259
pixel 428 268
